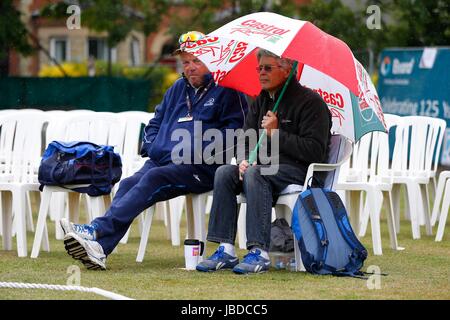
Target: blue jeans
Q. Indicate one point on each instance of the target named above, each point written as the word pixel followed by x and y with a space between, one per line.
pixel 151 184
pixel 261 192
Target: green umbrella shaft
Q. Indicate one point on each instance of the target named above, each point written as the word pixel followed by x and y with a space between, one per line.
pixel 253 155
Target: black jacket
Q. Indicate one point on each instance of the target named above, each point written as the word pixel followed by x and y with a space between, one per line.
pixel 304 124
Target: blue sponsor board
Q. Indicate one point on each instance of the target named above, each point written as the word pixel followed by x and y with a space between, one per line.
pixel 416 81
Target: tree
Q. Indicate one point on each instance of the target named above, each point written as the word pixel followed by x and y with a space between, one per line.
pixel 338 20
pixel 419 22
pixel 349 25
pixel 207 16
pixel 13 34
pixel 115 17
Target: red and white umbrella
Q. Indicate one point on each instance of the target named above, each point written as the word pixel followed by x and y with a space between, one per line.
pixel 326 65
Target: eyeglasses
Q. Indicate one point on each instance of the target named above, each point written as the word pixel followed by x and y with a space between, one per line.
pixel 266 67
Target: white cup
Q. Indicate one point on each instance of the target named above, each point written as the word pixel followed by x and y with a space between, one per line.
pixel 193 250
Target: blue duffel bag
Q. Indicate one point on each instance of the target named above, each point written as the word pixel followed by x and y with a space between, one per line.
pixel 80 166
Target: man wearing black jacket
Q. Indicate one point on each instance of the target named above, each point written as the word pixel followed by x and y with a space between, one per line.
pixel 301 130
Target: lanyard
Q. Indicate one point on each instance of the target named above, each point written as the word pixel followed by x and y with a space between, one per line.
pixel 188 100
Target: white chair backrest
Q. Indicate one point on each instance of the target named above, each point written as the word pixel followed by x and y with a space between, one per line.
pixel 379 156
pixel 22 138
pixel 340 151
pixel 358 163
pixel 439 126
pixel 55 129
pixel 135 121
pixel 103 128
pixel 420 140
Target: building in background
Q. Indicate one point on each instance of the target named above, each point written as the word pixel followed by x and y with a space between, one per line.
pixel 75 45
pixel 83 45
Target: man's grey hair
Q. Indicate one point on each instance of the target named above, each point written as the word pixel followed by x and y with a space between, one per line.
pixel 284 62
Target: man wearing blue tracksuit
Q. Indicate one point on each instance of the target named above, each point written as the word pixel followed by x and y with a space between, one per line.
pixel 192 100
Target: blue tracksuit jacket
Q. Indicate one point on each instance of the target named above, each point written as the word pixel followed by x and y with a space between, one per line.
pixel 218 107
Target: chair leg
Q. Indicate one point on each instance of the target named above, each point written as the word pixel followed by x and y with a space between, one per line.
pixel 209 204
pixel 444 212
pixel 41 223
pixel 159 211
pixel 354 203
pixel 407 213
pixel 74 206
pixel 19 202
pixel 199 206
pixel 438 197
pixel 396 205
pixel 176 208
pixel 88 204
pixel 167 222
pixel 6 198
pixel 29 213
pixel 97 206
pixel 145 234
pixel 190 217
pixel 141 220
pixel 426 208
pixel 242 226
pixel 58 205
pixel 298 257
pixel 391 221
pixel 375 200
pixel 414 202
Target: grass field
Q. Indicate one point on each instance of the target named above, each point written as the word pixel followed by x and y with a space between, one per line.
pixel 421 271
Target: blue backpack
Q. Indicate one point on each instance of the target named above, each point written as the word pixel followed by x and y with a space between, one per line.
pixel 92 168
pixel 324 236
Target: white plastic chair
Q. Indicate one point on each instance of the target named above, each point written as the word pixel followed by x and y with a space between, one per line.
pixel 22 134
pixel 417 149
pixel 340 150
pixel 100 128
pixel 131 159
pixel 3 146
pixel 55 131
pixel 375 184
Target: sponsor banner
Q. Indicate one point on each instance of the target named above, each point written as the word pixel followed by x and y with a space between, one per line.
pixel 417 82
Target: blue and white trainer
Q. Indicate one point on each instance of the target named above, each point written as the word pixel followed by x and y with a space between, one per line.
pixel 86 231
pixel 89 252
pixel 253 263
pixel 219 260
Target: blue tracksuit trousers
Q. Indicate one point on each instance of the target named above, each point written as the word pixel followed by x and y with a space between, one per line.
pixel 152 183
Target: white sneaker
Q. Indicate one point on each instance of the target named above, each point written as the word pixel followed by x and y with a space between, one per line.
pixel 86 231
pixel 89 252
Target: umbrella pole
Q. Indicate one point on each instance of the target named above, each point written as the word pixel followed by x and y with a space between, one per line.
pixel 253 155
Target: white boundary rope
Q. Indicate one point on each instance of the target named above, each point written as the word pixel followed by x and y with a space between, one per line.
pixel 20 285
